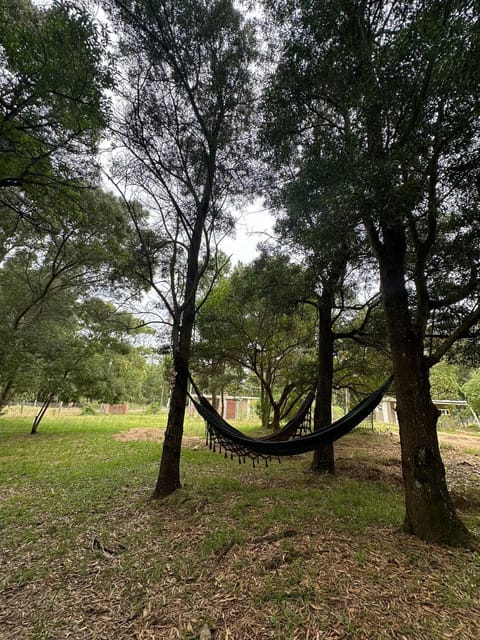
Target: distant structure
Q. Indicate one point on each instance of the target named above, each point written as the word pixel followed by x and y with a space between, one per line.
pixel 234 408
pixel 386 411
pixel 116 409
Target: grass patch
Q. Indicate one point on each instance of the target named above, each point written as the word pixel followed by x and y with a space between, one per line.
pixel 264 553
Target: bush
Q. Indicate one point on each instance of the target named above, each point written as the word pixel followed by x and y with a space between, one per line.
pixel 153 408
pixel 473 427
pixel 88 410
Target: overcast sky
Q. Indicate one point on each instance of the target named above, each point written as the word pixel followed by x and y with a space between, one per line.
pixel 254 225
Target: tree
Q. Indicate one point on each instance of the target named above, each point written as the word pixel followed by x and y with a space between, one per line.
pixel 471 390
pixel 52 102
pixel 186 100
pixel 212 369
pixel 155 383
pixel 88 352
pixel 389 92
pixel 308 228
pixel 82 249
pixel 447 380
pixel 252 320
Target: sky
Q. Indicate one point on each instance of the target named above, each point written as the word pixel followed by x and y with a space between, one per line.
pixel 254 224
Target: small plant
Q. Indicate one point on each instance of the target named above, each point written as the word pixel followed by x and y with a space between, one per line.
pixel 88 410
pixel 153 408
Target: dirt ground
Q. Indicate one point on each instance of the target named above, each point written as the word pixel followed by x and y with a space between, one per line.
pixel 460 453
pixel 293 583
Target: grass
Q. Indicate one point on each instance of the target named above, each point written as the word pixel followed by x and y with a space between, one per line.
pixel 273 552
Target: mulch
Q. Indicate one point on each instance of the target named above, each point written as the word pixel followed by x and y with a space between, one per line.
pixel 287 584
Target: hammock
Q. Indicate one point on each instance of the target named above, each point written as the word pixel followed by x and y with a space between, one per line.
pixel 223 437
pixel 298 425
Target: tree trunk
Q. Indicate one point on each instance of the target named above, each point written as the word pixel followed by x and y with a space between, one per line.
pixel 265 408
pixel 324 457
pixel 168 479
pixel 430 514
pixel 222 403
pixel 6 394
pixel 275 421
pixel 41 413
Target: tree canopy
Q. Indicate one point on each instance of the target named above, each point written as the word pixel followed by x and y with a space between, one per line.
pixel 53 105
pixel 82 251
pixel 252 319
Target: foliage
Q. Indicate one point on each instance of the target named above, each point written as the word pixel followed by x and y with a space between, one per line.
pixel 46 272
pixel 380 118
pixel 447 381
pixel 88 410
pixel 52 101
pixel 252 319
pixel 186 109
pixel 61 239
pixel 90 353
pixel 156 380
pixel 153 408
pixel 471 389
pixel 383 97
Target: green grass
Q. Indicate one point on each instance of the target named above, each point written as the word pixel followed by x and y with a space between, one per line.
pixel 78 524
pixel 65 481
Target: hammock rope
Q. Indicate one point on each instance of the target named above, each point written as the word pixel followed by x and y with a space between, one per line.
pixel 222 437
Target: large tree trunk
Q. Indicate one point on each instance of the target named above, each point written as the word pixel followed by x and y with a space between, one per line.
pixel 275 421
pixel 265 408
pixel 324 457
pixel 430 514
pixel 168 479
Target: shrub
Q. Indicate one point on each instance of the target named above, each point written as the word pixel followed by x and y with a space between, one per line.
pixel 153 408
pixel 88 410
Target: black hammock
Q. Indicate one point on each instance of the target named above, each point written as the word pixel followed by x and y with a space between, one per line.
pixel 300 424
pixel 222 437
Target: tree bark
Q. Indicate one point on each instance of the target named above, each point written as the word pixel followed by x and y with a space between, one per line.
pixel 275 421
pixel 265 408
pixel 279 407
pixel 41 413
pixel 430 514
pixel 168 479
pixel 324 457
pixel 6 394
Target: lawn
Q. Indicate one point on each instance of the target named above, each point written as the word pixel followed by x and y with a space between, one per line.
pixel 237 553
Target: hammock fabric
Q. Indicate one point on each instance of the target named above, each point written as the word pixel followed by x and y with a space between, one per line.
pixel 223 437
pixel 300 424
